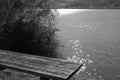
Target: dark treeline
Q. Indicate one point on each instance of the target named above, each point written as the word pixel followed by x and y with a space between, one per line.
pixel 28 26
pixel 86 4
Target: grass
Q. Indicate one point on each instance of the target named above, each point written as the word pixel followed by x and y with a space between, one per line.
pixel 8 74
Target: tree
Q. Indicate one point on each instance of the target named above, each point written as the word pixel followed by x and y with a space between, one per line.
pixel 29 27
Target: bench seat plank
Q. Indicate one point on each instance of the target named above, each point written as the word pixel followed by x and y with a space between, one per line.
pixel 42 66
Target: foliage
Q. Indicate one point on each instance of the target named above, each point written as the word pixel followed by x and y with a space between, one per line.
pixel 86 4
pixel 28 27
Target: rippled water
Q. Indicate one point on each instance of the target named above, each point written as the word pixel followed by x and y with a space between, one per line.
pixel 92 38
pixel 79 56
pixel 101 60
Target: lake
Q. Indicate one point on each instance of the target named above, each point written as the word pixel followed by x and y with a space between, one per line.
pixel 92 37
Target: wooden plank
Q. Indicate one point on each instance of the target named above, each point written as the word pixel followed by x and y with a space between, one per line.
pixel 41 66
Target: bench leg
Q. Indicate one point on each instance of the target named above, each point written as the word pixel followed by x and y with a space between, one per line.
pixel 44 78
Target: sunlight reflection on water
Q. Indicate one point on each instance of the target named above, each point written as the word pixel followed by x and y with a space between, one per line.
pixel 78 56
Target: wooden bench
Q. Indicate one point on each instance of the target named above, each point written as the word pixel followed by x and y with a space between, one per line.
pixel 42 66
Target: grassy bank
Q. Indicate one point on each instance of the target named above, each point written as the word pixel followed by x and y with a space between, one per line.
pixel 14 75
pixel 8 74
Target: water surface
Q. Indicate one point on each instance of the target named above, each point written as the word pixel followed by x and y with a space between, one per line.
pixel 92 37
